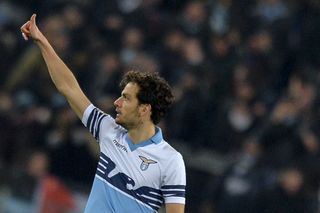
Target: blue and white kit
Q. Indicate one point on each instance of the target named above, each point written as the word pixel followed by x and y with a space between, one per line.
pixel 132 177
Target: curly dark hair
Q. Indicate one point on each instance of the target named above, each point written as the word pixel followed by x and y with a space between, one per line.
pixel 153 90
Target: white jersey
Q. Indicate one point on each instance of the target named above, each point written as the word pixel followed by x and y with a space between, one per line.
pixel 132 177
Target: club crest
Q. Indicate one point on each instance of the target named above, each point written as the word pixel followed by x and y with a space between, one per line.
pixel 145 163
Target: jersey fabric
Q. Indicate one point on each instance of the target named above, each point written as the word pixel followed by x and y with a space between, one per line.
pixel 132 177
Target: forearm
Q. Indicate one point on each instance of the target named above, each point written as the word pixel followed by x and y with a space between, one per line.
pixel 60 74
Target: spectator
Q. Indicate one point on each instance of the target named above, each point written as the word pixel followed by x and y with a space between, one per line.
pixel 288 196
pixel 34 190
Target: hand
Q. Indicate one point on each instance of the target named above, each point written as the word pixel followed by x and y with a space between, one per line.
pixel 30 29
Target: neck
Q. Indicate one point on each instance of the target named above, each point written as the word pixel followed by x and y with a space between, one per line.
pixel 142 132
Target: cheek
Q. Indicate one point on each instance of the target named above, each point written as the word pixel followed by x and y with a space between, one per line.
pixel 126 108
pixel 131 111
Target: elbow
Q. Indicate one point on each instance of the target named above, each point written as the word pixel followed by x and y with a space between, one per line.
pixel 63 89
pixel 68 90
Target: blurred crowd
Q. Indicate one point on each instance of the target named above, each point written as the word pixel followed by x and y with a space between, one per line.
pixel 245 74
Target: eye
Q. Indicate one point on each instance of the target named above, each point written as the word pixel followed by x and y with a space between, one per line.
pixel 125 96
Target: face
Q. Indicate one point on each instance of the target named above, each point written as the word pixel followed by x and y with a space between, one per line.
pixel 127 107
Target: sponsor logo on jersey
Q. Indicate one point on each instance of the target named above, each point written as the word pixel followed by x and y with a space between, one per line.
pixel 120 146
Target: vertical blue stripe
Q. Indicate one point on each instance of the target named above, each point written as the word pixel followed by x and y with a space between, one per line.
pixel 95 111
pixel 89 119
pixel 98 126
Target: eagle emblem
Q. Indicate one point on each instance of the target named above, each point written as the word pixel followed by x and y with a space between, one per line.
pixel 145 163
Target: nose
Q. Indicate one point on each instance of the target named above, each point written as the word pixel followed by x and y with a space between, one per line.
pixel 117 102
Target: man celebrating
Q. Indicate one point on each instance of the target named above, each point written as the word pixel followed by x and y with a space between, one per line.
pixel 138 171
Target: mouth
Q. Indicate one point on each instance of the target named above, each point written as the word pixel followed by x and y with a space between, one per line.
pixel 118 113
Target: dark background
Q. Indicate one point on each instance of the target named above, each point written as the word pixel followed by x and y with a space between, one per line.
pixel 245 75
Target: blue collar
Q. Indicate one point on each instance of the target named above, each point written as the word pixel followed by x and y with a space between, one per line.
pixel 156 139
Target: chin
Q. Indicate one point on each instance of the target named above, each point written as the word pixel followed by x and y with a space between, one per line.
pixel 119 122
pixel 124 125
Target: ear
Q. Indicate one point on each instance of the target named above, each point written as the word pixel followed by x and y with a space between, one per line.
pixel 145 109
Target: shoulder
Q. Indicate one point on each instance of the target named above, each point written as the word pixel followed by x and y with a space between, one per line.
pixel 98 121
pixel 171 155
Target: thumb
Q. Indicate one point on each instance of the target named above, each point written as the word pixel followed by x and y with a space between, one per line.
pixel 33 18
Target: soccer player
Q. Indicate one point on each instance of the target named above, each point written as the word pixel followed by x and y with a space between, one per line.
pixel 138 170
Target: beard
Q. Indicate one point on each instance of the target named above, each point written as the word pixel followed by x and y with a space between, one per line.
pixel 127 125
pixel 128 120
pixel 121 123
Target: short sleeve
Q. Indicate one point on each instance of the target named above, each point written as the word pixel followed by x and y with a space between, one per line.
pixel 92 119
pixel 174 182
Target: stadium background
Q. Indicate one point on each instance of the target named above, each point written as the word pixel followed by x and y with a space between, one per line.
pixel 246 78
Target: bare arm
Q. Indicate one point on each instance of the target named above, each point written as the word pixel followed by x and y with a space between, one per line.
pixel 174 208
pixel 60 74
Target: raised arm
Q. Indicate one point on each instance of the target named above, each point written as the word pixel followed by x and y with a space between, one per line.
pixel 61 75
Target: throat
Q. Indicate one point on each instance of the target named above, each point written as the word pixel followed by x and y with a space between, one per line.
pixel 139 135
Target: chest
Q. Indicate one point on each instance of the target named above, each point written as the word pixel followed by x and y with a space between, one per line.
pixel 126 168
